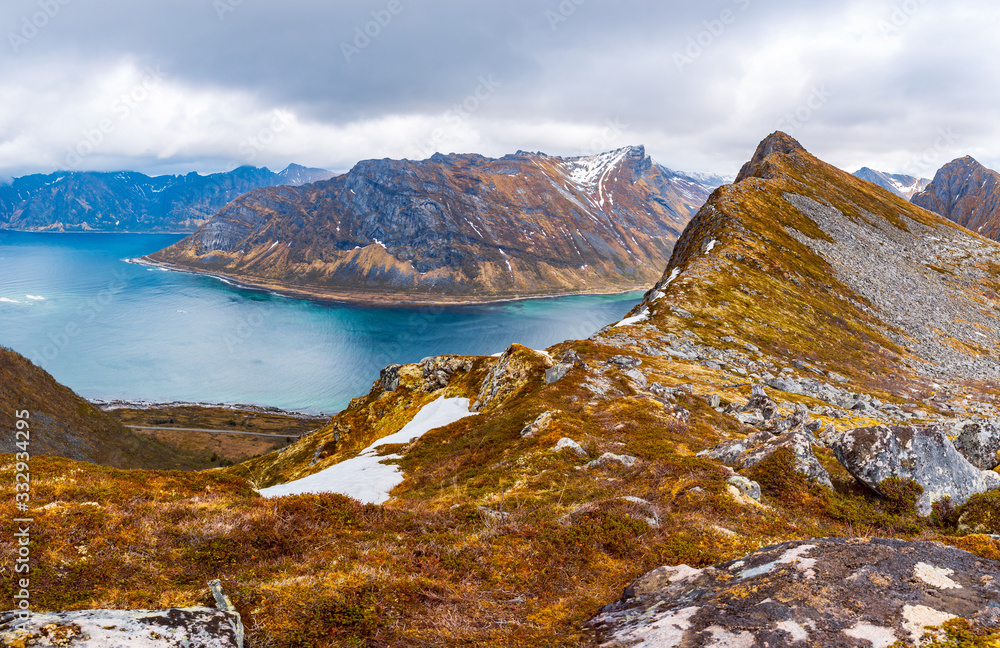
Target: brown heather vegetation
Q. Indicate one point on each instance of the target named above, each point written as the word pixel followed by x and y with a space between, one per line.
pixel 493 539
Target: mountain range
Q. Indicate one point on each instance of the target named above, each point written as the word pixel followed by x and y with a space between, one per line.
pixel 127 201
pixel 454 228
pixel 905 186
pixel 789 442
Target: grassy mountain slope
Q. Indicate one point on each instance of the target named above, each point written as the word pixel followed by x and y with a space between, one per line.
pixel 456 227
pixel 497 539
pixel 64 425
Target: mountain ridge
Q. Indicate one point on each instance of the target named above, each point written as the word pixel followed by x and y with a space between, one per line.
pixel 459 227
pixel 130 201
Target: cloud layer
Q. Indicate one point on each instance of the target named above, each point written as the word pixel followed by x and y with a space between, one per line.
pixel 206 85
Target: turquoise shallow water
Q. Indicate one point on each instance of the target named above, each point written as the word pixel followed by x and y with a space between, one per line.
pixel 114 330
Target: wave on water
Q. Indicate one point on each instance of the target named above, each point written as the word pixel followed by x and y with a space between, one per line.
pixel 35 298
pixel 9 301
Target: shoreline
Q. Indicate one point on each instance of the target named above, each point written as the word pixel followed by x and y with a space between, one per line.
pixel 368 300
pixel 117 404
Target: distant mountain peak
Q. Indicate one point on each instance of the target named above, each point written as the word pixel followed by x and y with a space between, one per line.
pixel 587 171
pixel 779 143
pixel 904 186
pixel 456 227
pixel 966 192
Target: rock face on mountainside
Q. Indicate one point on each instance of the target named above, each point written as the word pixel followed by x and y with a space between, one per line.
pixel 132 202
pixel 904 186
pixel 455 227
pixel 967 193
pixel 61 424
pixel 816 593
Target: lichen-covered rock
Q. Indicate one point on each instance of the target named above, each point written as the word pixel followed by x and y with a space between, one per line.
pixel 801 444
pixel 566 443
pixel 926 455
pixel 806 594
pixel 510 372
pixel 979 442
pixel 541 423
pixel 726 453
pixel 609 459
pixel 746 486
pixel 188 627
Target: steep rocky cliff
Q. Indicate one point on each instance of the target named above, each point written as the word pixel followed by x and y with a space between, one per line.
pixel 132 202
pixel 966 192
pixel 455 227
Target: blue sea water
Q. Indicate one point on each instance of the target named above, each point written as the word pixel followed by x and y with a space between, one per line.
pixel 114 330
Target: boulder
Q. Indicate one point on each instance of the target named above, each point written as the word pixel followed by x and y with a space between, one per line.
pixel 926 455
pixel 746 486
pixel 979 442
pixel 609 459
pixel 806 594
pixel 541 423
pixel 511 371
pixel 800 444
pixel 566 443
pixel 197 627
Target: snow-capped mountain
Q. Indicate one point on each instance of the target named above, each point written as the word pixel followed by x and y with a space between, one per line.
pixel 901 185
pixel 456 227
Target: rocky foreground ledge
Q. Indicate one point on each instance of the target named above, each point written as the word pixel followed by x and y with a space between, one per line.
pixel 822 592
pixel 193 627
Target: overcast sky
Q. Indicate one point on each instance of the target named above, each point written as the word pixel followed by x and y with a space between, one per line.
pixel 172 86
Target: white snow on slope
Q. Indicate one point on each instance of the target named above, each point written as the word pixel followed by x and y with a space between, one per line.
pixel 635 319
pixel 365 477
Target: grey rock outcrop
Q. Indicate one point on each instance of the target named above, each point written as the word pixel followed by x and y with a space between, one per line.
pixel 979 442
pixel 197 627
pixel 769 598
pixel 926 455
pixel 800 444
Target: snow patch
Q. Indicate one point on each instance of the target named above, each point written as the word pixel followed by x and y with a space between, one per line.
pixel 673 275
pixel 635 319
pixel 365 477
pixel 711 246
